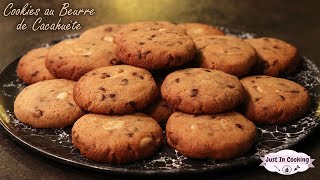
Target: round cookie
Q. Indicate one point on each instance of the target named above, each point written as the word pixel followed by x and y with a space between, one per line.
pixel 276 57
pixel 156 49
pixel 117 139
pixel 160 111
pixel 104 32
pixel 145 26
pixel 199 90
pixel 218 137
pixel 47 104
pixel 226 53
pixel 115 90
pixel 72 58
pixel 31 67
pixel 273 100
pixel 195 30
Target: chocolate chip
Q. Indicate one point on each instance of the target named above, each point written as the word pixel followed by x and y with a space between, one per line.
pixel 60 57
pixel 139 55
pixel 35 74
pixel 231 86
pixel 253 81
pixel 213 117
pixel 239 126
pixel 258 77
pixel 130 134
pixel 103 97
pixel 136 74
pixel 132 104
pixel 194 92
pixel 282 98
pixel 276 47
pixel 295 91
pixel 112 95
pixel 177 80
pixel 38 113
pixel 104 75
pixel 108 29
pixel 153 36
pixel 102 89
pixel 257 99
pixel 72 105
pixel 140 43
pixel 93 74
pixel 207 70
pixel 210 134
pixel 274 62
pixel 124 82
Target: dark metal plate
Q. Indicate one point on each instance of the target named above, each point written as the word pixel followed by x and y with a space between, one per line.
pixel 56 143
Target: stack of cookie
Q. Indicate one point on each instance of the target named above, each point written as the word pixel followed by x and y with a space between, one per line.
pixel 117 83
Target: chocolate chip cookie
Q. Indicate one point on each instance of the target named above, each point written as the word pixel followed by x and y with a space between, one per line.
pixel 195 30
pixel 274 100
pixel 200 90
pixel 219 136
pixel 117 139
pixel 31 67
pixel 276 57
pixel 115 90
pixel 156 49
pixel 226 53
pixel 47 104
pixel 146 26
pixel 103 32
pixel 159 110
pixel 72 58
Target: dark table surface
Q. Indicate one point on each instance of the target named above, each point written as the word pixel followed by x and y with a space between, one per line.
pixel 294 21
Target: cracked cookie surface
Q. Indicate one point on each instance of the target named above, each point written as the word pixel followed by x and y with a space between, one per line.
pixel 117 139
pixel 275 57
pixel 72 58
pixel 200 90
pixel 273 100
pixel 218 136
pixel 31 67
pixel 47 104
pixel 117 89
pixel 226 53
pixel 156 49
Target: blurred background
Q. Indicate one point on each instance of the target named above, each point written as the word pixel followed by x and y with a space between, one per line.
pixel 294 21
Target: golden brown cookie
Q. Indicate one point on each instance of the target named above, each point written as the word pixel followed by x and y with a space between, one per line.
pixel 195 30
pixel 276 57
pixel 31 67
pixel 160 111
pixel 145 26
pixel 199 90
pixel 155 49
pixel 226 53
pixel 115 90
pixel 47 104
pixel 117 139
pixel 103 32
pixel 219 136
pixel 273 100
pixel 72 58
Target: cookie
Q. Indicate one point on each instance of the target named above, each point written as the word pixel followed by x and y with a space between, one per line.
pixel 72 58
pixel 160 111
pixel 226 53
pixel 273 100
pixel 47 104
pixel 195 30
pixel 31 67
pixel 276 57
pixel 103 32
pixel 117 139
pixel 115 90
pixel 218 137
pixel 145 26
pixel 200 90
pixel 156 49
